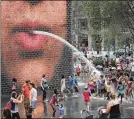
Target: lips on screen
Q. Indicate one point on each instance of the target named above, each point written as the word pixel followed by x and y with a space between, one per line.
pixel 24 52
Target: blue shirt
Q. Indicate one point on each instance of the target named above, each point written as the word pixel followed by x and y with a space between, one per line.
pixel 14 106
pixel 121 89
pixel 71 82
pixel 75 81
pixel 99 84
pixel 61 110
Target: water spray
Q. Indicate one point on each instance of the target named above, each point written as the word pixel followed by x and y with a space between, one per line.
pixel 78 53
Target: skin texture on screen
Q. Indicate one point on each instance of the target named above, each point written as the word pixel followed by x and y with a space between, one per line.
pixel 26 56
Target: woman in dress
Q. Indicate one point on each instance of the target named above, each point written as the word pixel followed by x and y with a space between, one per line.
pixel 63 85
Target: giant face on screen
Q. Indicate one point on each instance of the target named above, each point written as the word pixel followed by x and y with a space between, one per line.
pixel 26 56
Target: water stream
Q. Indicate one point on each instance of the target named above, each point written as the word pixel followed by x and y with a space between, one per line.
pixel 92 69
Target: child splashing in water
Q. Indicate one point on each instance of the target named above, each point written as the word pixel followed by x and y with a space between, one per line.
pixel 86 97
pixel 55 102
pixel 61 110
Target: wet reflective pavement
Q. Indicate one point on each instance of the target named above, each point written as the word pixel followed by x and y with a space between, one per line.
pixel 73 106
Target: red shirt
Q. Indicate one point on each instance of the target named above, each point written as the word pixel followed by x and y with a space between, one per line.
pixel 86 96
pixel 26 91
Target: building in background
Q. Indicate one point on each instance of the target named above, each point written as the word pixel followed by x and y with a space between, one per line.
pixel 80 27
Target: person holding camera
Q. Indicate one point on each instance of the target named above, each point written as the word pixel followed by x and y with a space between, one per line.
pixel 15 100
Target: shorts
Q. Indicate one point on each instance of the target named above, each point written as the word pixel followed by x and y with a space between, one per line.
pixel 86 101
pixel 61 112
pixel 92 91
pixel 63 89
pixel 103 90
pixel 33 103
pixel 121 94
pixel 26 103
pixel 76 89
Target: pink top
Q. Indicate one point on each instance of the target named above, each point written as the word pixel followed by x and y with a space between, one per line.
pixel 14 86
pixel 53 99
pixel 91 85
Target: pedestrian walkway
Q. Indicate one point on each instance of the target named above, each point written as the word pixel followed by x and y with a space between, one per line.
pixel 39 109
pixel 72 105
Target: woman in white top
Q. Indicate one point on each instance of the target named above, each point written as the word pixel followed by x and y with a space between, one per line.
pixel 113 107
pixel 132 68
pixel 14 105
pixel 117 60
pixel 63 85
pixel 33 97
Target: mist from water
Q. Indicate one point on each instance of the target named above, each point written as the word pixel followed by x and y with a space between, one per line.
pixel 92 69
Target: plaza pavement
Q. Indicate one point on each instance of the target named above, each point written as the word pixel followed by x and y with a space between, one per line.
pixel 73 106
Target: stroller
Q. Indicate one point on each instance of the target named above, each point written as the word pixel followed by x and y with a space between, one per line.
pixel 101 113
pixel 85 114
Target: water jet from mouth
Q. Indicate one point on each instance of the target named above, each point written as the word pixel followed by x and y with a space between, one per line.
pixel 92 69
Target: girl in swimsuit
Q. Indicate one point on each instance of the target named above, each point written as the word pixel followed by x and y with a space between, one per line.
pixel 54 101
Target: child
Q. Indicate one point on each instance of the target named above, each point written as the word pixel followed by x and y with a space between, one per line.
pixel 92 87
pixel 121 89
pixel 53 102
pixel 86 97
pixel 89 89
pixel 61 110
pixel 6 113
pixel 14 84
pixel 108 90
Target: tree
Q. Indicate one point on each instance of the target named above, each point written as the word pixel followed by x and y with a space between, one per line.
pixel 110 19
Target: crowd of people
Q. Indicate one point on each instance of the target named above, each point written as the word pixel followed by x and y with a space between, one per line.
pixel 28 96
pixel 113 88
pixel 121 83
pixel 115 84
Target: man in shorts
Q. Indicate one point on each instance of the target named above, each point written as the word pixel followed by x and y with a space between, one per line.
pixel 26 92
pixel 33 98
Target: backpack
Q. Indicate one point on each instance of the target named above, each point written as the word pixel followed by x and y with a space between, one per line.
pixel 7 109
pixel 8 105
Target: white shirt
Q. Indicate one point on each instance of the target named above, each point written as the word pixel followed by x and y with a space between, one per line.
pixel 132 68
pixel 63 82
pixel 16 108
pixel 114 102
pixel 33 92
pixel 117 60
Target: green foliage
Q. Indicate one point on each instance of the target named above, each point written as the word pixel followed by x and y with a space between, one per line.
pixel 113 63
pixel 98 62
pixel 106 18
